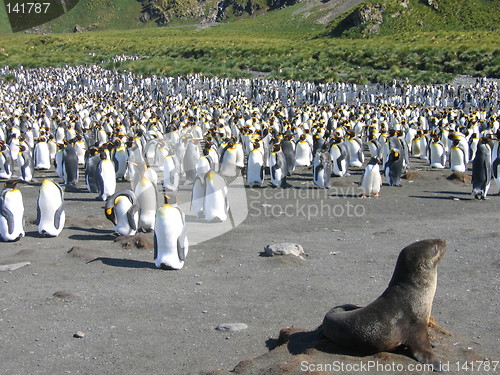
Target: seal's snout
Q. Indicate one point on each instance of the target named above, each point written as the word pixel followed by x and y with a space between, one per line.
pixel 439 249
pixel 441 242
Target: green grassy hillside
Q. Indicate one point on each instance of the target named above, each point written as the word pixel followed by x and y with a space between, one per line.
pixel 402 16
pixel 96 15
pixel 4 20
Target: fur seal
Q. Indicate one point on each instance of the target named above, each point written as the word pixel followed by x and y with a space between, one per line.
pixel 400 316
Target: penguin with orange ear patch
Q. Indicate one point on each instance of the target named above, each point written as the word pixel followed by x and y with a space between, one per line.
pixel 122 210
pixel 170 236
pixel 11 213
pixel 394 168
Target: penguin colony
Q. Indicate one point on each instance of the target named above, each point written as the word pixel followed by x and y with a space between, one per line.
pixel 95 127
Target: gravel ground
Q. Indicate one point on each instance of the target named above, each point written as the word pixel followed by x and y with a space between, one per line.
pixel 136 319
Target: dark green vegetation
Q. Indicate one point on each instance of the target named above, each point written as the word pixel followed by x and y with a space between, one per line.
pixel 389 17
pixel 285 44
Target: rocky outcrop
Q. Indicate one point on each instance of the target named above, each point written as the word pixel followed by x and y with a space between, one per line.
pixel 367 18
pixel 368 15
pixel 203 11
pixel 432 3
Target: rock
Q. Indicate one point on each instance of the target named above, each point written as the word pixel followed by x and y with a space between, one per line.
pixel 231 327
pixel 78 29
pixel 14 266
pixel 64 296
pixel 79 335
pixel 369 14
pixel 432 3
pixel 284 248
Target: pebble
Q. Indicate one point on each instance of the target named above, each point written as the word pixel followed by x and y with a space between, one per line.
pixel 284 248
pixel 14 266
pixel 79 335
pixel 231 327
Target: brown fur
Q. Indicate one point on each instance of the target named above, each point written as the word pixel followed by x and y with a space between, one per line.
pixel 400 316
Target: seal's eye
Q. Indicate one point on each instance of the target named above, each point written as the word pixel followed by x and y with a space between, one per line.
pixel 435 250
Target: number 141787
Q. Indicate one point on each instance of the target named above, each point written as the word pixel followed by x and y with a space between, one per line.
pixel 477 366
pixel 27 8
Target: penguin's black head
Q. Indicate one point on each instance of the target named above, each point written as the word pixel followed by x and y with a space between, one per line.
pixel 170 198
pixel 11 184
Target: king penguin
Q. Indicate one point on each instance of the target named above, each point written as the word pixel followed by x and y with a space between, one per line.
pixel 303 152
pixel 106 177
pixel 11 213
pixel 122 210
pixel 371 181
pixel 171 172
pixel 170 237
pixel 41 154
pixel 458 159
pixel 338 154
pixel 92 158
pixel 70 166
pixel 6 162
pixel 215 202
pixel 481 171
pixel 394 168
pixel 228 159
pixel 495 166
pixel 437 154
pixel 255 166
pixel 355 150
pixel 198 196
pixel 25 163
pixel 277 166
pixel 145 191
pixel 50 216
pixel 322 170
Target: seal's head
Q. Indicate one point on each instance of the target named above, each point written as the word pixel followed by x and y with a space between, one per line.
pixel 418 260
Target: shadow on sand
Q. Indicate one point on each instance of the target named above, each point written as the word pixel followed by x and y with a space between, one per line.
pixel 124 263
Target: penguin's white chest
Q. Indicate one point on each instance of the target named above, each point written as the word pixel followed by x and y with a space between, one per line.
pixel 49 202
pixel 169 229
pixel 11 227
pixel 303 154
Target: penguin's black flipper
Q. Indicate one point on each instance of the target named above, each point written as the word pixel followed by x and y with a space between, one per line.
pixel 155 255
pixel 495 167
pixel 99 180
pixel 130 216
pixel 318 169
pixel 273 171
pixel 181 250
pixel 8 215
pixel 38 213
pixel 57 216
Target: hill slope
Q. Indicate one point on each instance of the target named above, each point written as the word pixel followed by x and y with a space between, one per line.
pixel 390 17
